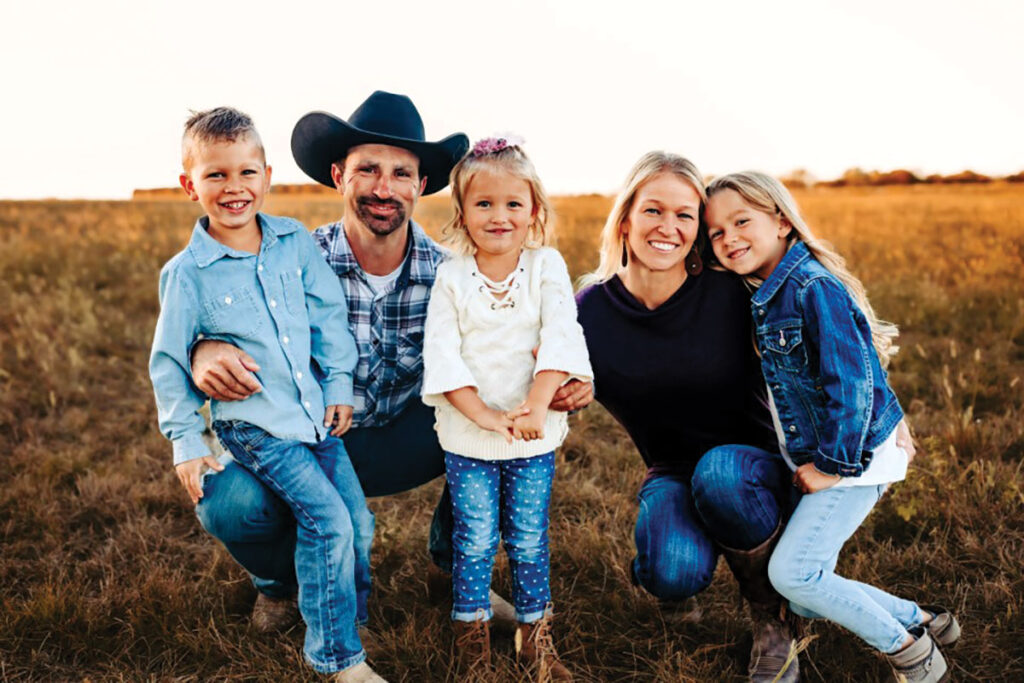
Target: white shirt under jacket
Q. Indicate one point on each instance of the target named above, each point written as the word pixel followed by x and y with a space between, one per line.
pixel 475 340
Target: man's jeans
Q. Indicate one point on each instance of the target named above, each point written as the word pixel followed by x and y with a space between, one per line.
pixel 736 498
pixel 510 497
pixel 258 529
pixel 333 535
pixel 802 569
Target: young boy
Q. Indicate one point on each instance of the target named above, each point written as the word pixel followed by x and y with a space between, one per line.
pixel 259 282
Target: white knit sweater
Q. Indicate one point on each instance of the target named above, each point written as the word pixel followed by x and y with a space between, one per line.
pixel 475 340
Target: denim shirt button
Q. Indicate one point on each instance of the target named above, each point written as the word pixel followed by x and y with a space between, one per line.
pixel 273 303
pixel 760 311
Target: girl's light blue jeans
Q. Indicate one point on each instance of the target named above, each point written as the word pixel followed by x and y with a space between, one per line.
pixel 802 569
pixel 334 532
pixel 510 498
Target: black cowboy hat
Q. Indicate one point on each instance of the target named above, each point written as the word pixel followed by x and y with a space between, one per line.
pixel 320 139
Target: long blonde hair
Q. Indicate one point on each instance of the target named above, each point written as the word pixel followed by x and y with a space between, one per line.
pixel 645 169
pixel 765 193
pixel 512 160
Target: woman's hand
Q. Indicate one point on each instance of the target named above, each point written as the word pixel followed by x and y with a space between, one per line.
pixel 905 440
pixel 573 395
pixel 810 480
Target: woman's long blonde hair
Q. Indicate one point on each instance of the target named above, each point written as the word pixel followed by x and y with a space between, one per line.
pixel 646 168
pixel 765 193
pixel 512 160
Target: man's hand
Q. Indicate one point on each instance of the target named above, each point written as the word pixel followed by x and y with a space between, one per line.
pixel 573 395
pixel 224 372
pixel 810 480
pixel 188 474
pixel 339 417
pixel 905 440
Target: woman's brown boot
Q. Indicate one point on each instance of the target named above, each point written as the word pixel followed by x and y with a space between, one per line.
pixel 773 654
pixel 535 650
pixel 473 648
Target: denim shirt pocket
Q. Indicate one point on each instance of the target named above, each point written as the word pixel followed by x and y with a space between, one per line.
pixel 782 345
pixel 294 291
pixel 234 312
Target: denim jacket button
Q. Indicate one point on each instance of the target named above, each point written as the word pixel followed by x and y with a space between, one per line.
pixel 792 428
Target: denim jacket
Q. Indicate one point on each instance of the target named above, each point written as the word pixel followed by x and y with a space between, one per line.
pixel 832 395
pixel 283 306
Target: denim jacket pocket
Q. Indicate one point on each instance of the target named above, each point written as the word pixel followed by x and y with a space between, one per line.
pixel 294 292
pixel 783 346
pixel 234 313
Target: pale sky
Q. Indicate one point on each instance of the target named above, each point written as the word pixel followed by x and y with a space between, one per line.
pixel 95 93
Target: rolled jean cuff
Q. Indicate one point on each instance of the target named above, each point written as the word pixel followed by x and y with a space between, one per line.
pixel 531 617
pixel 341 664
pixel 472 615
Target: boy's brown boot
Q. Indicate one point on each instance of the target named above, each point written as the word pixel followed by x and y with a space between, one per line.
pixel 473 648
pixel 274 614
pixel 535 650
pixel 773 653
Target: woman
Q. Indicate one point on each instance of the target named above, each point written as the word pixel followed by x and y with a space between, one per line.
pixel 670 345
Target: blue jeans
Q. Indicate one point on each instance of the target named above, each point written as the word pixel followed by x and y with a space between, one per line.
pixel 334 532
pixel 258 528
pixel 510 497
pixel 802 569
pixel 735 498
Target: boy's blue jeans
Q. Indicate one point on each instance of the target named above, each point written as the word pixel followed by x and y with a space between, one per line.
pixel 509 497
pixel 334 532
pixel 258 529
pixel 802 569
pixel 735 498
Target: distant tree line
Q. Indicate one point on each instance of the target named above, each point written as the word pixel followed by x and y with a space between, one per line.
pixel 856 177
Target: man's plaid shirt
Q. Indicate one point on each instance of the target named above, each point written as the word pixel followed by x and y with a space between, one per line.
pixel 388 327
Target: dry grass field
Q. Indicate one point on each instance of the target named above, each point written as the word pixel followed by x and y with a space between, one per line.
pixel 105 573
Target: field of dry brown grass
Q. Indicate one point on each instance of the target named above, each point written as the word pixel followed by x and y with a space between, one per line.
pixel 106 575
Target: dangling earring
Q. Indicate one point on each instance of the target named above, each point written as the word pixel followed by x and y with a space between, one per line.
pixel 625 255
pixel 694 263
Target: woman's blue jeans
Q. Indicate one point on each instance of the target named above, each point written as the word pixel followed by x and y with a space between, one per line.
pixel 510 498
pixel 735 498
pixel 258 528
pixel 334 532
pixel 802 569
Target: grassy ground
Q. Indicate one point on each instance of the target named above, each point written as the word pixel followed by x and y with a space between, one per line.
pixel 106 575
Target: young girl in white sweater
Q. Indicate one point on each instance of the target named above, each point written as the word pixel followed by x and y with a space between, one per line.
pixel 501 297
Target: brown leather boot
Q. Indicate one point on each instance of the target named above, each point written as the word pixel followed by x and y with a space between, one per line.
pixel 274 614
pixel 473 648
pixel 535 650
pixel 773 654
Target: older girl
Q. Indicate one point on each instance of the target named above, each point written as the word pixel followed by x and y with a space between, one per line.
pixel 823 352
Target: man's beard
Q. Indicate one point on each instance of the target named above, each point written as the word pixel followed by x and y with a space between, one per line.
pixel 380 226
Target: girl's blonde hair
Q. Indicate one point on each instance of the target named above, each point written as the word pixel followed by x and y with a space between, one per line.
pixel 765 193
pixel 645 169
pixel 512 160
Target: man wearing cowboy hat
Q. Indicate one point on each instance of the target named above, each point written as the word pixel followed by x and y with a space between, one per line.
pixel 380 162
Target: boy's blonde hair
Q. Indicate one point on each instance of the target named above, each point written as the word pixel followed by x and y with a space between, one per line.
pixel 512 160
pixel 765 193
pixel 221 124
pixel 644 170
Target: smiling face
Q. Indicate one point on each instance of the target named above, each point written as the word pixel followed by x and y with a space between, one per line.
pixel 380 184
pixel 498 209
pixel 229 179
pixel 745 240
pixel 662 223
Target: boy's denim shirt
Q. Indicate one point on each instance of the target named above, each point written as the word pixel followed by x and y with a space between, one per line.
pixel 830 390
pixel 283 306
